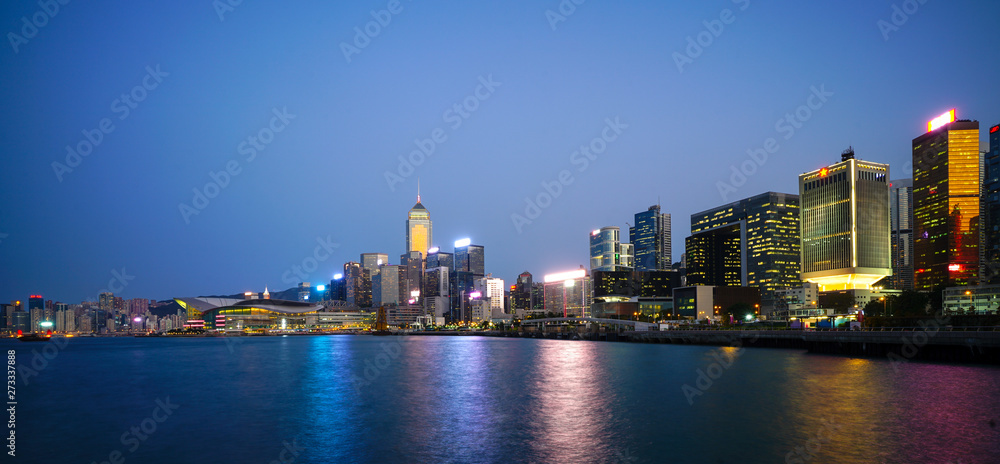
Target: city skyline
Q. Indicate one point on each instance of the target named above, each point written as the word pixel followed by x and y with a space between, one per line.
pixel 337 127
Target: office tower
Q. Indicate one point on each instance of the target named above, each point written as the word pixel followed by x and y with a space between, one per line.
pixel 372 261
pixel 438 258
pixel 520 293
pixel 419 232
pixel 845 224
pixel 568 294
pixel 901 234
pixel 491 292
pixel 36 310
pixel 304 290
pixel 385 285
pixel 358 285
pixel 991 198
pixel 470 264
pixel 412 277
pixel 751 242
pixel 946 203
pixel 650 238
pixel 607 253
pixel 338 287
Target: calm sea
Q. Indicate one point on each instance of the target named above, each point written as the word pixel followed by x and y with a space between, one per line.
pixel 342 399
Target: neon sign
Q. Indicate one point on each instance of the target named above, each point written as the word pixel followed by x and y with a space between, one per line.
pixel 941 120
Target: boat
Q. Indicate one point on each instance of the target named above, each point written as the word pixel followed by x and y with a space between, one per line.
pixel 33 337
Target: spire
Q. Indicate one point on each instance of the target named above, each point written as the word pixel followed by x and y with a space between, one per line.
pixel 418 190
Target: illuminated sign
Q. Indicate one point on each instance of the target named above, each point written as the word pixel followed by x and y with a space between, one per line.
pixel 941 120
pixel 475 295
pixel 463 243
pixel 595 232
pixel 994 129
pixel 822 172
pixel 561 276
pixel 45 324
pixel 36 296
pixel 338 276
pixel 415 293
pixel 954 267
pixel 321 288
pixel 433 250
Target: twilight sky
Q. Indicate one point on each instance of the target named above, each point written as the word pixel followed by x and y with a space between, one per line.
pixel 183 95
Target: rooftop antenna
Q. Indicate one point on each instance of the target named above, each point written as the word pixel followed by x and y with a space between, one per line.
pixel 418 190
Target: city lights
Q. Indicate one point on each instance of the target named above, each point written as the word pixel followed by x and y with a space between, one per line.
pixel 941 120
pixel 561 276
pixel 463 243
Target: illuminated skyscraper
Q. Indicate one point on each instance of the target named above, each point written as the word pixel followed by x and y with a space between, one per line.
pixel 568 294
pixel 607 253
pixel 419 233
pixel 751 242
pixel 650 237
pixel 991 196
pixel 845 224
pixel 946 203
pixel 901 233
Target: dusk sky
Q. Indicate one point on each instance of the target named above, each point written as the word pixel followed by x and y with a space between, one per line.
pixel 67 228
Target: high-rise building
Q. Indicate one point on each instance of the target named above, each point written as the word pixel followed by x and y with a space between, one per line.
pixel 358 285
pixel 751 242
pixel 845 224
pixel 946 203
pixel 607 253
pixel 419 232
pixel 412 278
pixel 650 238
pixel 901 234
pixel 338 287
pixel 490 291
pixel 520 293
pixel 36 310
pixel 568 294
pixel 470 264
pixel 991 198
pixel 372 261
pixel 385 285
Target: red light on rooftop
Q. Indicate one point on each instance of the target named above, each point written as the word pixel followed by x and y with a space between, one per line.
pixel 36 296
pixel 994 129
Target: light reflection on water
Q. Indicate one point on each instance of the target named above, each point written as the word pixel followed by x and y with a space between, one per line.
pixel 472 399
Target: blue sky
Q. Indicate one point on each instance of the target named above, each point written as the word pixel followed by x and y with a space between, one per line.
pixel 323 176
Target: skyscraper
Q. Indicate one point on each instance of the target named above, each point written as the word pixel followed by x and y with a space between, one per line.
pixel 36 310
pixel 568 294
pixel 607 253
pixel 358 285
pixel 901 233
pixel 520 293
pixel 946 203
pixel 750 242
pixel 845 224
pixel 991 196
pixel 650 237
pixel 419 233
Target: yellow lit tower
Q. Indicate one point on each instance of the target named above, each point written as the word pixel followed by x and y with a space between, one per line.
pixel 946 203
pixel 419 232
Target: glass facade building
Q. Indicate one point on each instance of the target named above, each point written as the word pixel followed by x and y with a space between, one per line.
pixel 650 238
pixel 845 224
pixel 901 234
pixel 607 253
pixel 991 198
pixel 419 229
pixel 946 194
pixel 750 242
